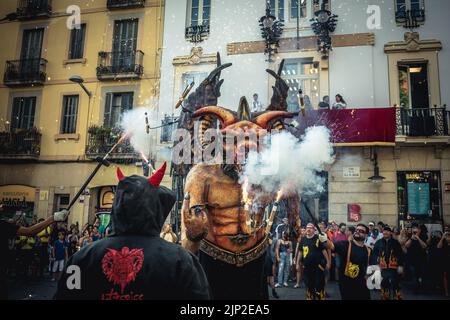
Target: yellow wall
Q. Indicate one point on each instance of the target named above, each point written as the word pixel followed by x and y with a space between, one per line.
pixel 54 176
pixel 98 38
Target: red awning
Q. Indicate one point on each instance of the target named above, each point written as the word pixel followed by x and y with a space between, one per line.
pixel 353 127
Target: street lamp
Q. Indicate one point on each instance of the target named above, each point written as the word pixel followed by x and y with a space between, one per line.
pixel 376 178
pixel 271 31
pixel 323 23
pixel 79 80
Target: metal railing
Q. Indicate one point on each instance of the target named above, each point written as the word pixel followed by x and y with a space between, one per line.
pixel 28 9
pixel 26 71
pixel 125 4
pixel 168 126
pixel 196 34
pixel 425 122
pixel 102 139
pixel 20 143
pixel 124 64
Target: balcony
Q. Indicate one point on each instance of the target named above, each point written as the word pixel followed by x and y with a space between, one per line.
pixel 120 65
pixel 125 4
pixel 21 144
pixel 196 34
pixel 102 139
pixel 168 126
pixel 25 72
pixel 33 9
pixel 422 122
pixel 410 19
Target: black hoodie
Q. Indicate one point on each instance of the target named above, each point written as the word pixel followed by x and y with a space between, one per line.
pixel 134 263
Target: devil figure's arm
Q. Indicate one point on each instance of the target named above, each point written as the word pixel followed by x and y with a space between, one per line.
pixel 194 212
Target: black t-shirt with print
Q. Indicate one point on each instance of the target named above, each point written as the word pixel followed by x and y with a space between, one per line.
pixel 359 257
pixel 312 251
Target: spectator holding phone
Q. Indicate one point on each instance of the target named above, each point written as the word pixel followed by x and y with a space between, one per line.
pixel 416 256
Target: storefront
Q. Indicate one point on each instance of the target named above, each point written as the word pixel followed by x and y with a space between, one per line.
pixel 17 201
pixel 419 197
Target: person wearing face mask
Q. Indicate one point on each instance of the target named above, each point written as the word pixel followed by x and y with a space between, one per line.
pixel 388 256
pixel 354 257
pixel 314 258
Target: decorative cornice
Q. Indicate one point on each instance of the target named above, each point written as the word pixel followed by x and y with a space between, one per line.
pixel 412 43
pixel 305 43
pixel 196 57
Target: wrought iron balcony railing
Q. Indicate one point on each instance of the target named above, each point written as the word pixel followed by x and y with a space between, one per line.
pixel 120 65
pixel 410 19
pixel 31 9
pixel 102 139
pixel 422 122
pixel 197 34
pixel 125 4
pixel 25 72
pixel 22 144
pixel 168 125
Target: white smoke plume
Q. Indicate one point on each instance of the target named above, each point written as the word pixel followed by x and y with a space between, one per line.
pixel 134 124
pixel 290 164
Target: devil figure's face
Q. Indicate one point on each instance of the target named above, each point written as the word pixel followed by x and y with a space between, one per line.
pixel 241 132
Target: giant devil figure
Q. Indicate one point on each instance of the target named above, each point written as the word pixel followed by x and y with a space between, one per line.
pixel 215 217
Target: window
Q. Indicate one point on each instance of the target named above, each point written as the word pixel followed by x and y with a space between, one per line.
pixel 298 7
pixel 196 77
pixel 69 114
pixel 116 105
pixel 301 73
pixel 199 12
pixel 76 49
pixel 277 9
pixel 416 8
pixel 23 113
pixel 61 202
pixel 413 85
pixel 419 195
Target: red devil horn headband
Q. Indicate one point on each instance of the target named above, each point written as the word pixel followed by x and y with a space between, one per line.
pixel 154 180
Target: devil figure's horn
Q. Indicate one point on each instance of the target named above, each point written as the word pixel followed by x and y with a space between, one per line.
pixel 157 177
pixel 120 175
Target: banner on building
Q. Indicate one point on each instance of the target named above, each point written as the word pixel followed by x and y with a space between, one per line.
pixel 353 127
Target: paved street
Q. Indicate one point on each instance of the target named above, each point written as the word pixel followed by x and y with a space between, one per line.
pixel 44 290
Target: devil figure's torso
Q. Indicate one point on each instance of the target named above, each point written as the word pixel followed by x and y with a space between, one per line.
pixel 222 196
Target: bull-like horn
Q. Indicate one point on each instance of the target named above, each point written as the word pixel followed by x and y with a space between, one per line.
pixel 156 178
pixel 264 119
pixel 217 71
pixel 120 174
pixel 224 115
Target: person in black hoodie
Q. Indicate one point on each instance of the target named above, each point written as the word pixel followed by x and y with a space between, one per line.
pixel 388 255
pixel 134 263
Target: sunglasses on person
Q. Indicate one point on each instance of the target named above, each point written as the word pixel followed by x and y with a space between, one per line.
pixel 360 231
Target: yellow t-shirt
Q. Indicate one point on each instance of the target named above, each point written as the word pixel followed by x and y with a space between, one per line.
pixel 44 235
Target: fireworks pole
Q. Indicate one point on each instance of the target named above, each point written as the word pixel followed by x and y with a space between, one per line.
pixel 302 101
pixel 184 95
pixel 101 162
pixel 272 216
pixel 314 219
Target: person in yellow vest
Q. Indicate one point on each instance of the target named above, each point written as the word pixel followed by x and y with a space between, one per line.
pixel 10 230
pixel 26 246
pixel 44 238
